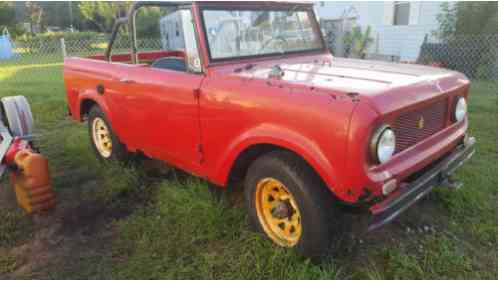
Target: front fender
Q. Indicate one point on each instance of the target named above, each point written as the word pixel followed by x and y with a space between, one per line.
pixel 283 137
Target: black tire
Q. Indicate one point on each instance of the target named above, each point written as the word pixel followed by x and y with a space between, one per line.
pixel 118 151
pixel 319 215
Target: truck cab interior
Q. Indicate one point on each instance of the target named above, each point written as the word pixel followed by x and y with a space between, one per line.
pixel 156 35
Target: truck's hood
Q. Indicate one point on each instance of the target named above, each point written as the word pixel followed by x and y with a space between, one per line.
pixel 388 86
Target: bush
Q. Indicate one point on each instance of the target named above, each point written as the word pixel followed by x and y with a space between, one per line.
pixel 85 35
pixel 14 30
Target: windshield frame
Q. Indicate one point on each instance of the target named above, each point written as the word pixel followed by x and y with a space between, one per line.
pixel 280 7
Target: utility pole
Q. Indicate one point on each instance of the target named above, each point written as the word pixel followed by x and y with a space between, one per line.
pixel 70 6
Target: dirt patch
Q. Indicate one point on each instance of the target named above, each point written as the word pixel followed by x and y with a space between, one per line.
pixel 76 228
pixel 7 196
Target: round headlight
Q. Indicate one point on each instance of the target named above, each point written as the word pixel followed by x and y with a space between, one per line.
pixel 383 144
pixel 460 109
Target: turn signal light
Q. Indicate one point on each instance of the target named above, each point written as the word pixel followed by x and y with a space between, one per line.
pixel 389 186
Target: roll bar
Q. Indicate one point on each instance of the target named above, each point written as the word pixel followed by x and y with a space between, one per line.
pixel 130 20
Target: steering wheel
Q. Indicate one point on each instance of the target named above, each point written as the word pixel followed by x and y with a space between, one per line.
pixel 279 38
pixel 171 63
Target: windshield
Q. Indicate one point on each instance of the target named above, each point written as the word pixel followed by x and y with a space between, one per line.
pixel 244 33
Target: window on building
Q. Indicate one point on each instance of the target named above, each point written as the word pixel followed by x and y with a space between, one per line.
pixel 401 13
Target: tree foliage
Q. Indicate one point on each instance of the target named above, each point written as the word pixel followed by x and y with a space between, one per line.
pixel 147 21
pixel 357 42
pixel 477 17
pixel 35 14
pixel 103 14
pixel 62 14
pixel 467 18
pixel 82 15
pixel 7 14
pixel 447 19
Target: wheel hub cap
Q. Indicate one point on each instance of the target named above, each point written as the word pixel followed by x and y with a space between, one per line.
pixel 278 212
pixel 282 210
pixel 102 137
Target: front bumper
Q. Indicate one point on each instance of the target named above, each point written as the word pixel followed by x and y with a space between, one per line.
pixel 407 195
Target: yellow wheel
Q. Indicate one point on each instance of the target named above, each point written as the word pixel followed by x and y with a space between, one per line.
pixel 290 204
pixel 102 137
pixel 278 212
pixel 105 144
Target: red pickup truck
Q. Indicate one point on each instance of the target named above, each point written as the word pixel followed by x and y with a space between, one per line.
pixel 248 91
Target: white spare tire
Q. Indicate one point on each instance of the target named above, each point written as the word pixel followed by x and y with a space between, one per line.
pixel 17 116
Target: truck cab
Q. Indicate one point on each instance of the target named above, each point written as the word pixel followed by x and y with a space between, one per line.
pixel 248 92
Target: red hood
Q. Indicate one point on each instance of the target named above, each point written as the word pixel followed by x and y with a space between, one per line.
pixel 388 86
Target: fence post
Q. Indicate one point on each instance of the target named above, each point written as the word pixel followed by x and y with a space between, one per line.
pixel 63 48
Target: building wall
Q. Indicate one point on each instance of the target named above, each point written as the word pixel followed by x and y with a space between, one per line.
pixel 393 40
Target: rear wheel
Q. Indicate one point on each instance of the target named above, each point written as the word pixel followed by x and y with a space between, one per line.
pixel 105 143
pixel 289 203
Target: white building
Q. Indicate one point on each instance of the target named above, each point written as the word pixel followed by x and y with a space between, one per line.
pixel 398 28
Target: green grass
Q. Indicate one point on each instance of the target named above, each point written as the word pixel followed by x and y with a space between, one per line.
pixel 119 223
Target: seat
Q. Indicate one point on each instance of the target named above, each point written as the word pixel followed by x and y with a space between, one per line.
pixel 171 63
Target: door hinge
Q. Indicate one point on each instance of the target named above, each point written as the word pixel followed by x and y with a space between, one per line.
pixel 200 151
pixel 197 93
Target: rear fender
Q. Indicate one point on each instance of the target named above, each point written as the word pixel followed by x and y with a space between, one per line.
pixel 90 95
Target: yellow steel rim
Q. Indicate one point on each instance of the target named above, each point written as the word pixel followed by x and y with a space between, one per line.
pixel 102 137
pixel 278 212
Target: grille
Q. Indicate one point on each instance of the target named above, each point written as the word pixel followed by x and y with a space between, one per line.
pixel 417 125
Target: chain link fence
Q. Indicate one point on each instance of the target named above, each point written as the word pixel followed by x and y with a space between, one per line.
pixel 33 60
pixel 476 56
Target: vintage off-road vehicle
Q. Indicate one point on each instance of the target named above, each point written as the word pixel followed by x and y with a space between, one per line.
pixel 248 91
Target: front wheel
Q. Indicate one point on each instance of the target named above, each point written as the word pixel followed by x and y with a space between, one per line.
pixel 289 203
pixel 105 143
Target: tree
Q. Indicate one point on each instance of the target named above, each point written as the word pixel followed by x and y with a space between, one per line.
pixel 147 21
pixel 461 49
pixel 477 18
pixel 56 13
pixel 35 14
pixel 8 19
pixel 7 14
pixel 103 14
pixel 467 18
pixel 447 20
pixel 357 42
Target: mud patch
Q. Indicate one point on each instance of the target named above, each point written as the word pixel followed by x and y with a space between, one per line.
pixel 79 227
